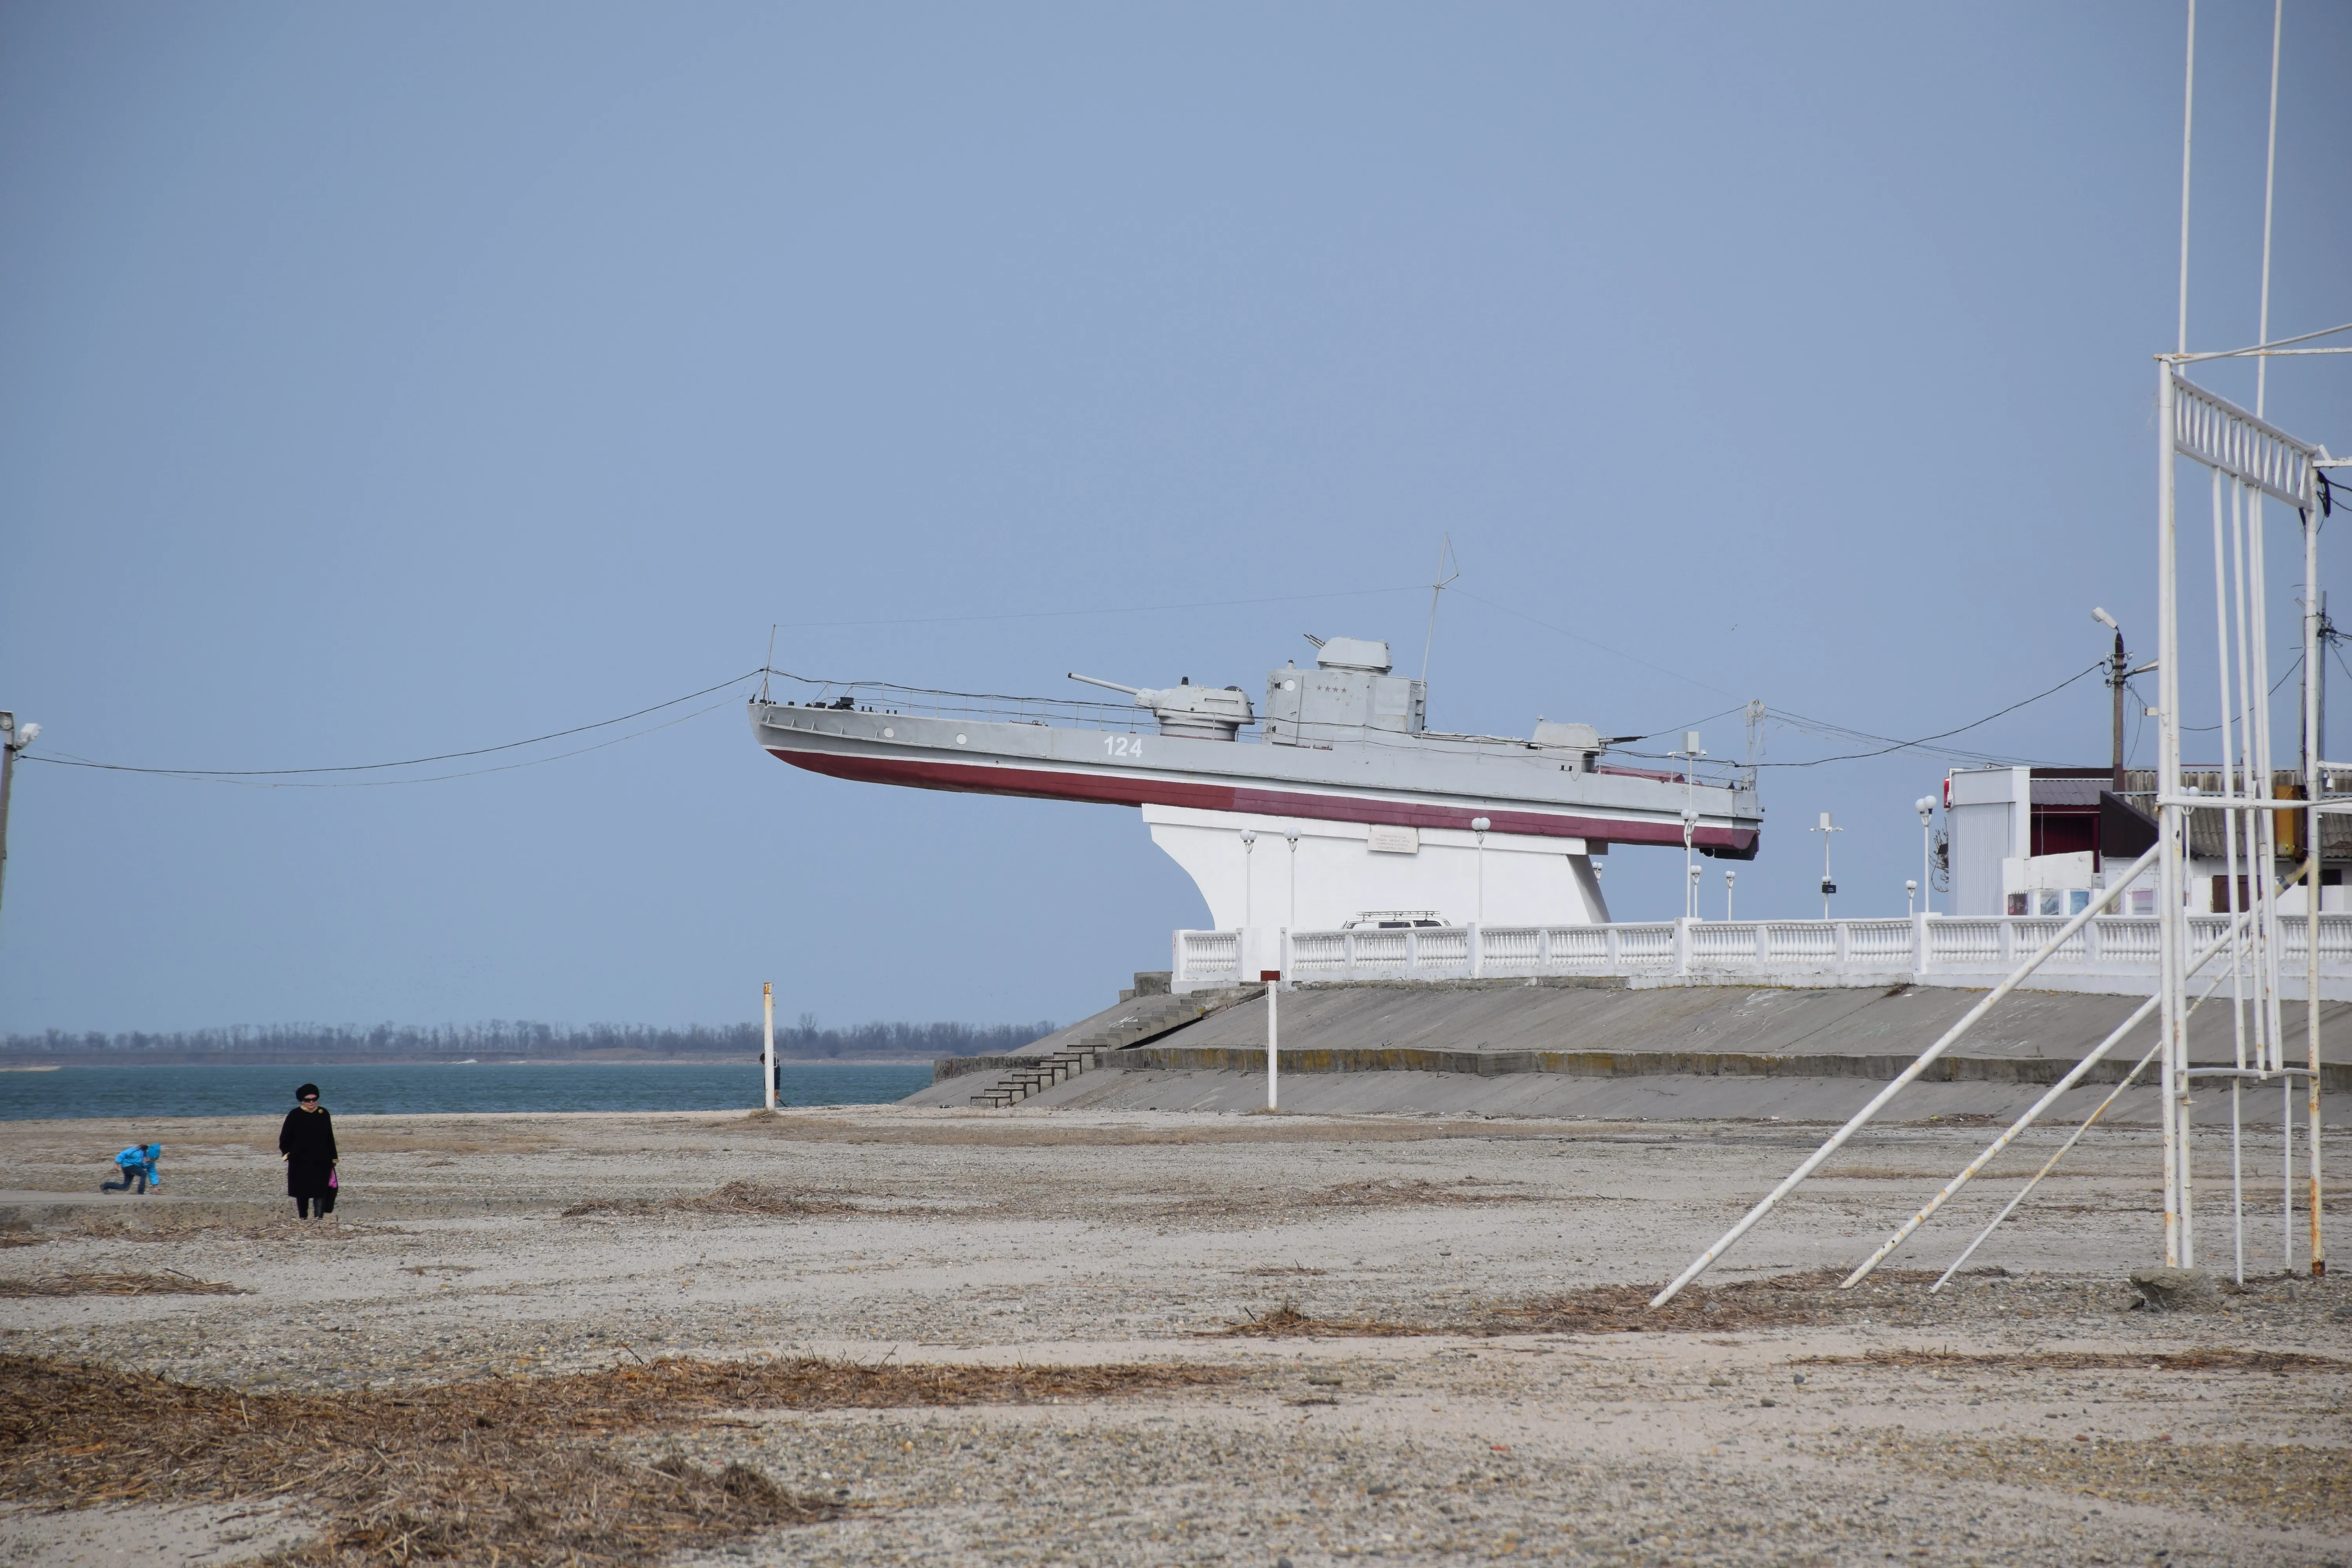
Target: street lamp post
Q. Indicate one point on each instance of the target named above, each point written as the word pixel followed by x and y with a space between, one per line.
pixel 1729 876
pixel 1690 754
pixel 1828 886
pixel 1479 829
pixel 1249 888
pixel 1926 807
pixel 1291 834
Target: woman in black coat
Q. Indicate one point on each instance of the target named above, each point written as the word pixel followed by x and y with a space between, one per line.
pixel 307 1143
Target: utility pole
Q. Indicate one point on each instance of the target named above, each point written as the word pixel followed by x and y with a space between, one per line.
pixel 2119 671
pixel 11 742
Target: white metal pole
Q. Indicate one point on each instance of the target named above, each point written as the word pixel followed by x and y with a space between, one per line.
pixel 2230 823
pixel 1729 876
pixel 1274 1031
pixel 2169 818
pixel 768 1029
pixel 1291 834
pixel 1479 826
pixel 1249 904
pixel 2009 1135
pixel 2032 1114
pixel 2047 1165
pixel 1910 898
pixel 2052 1163
pixel 2314 845
pixel 2064 934
pixel 1926 806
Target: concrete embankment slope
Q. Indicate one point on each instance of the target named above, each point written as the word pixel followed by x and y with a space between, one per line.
pixel 1598 1049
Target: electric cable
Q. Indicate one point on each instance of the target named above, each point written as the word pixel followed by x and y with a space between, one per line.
pixel 1922 742
pixel 67 759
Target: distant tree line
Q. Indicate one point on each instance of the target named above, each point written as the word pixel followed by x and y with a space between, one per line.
pixel 804 1040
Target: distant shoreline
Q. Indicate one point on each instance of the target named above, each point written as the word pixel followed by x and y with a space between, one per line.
pixel 46 1060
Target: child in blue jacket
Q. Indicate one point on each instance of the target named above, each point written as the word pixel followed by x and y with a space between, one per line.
pixel 137 1164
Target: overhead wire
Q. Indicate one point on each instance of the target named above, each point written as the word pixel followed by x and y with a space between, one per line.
pixel 1922 742
pixel 66 760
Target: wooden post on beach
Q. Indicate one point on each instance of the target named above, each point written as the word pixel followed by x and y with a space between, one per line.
pixel 768 1051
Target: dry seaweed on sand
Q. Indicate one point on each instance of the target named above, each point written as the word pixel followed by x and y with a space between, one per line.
pixel 166 1284
pixel 734 1198
pixel 522 1468
pixel 1372 1194
pixel 2219 1359
pixel 2279 1484
pixel 1781 1301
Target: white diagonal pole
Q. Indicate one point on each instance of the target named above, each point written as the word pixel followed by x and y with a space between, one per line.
pixel 2032 1114
pixel 1927 1058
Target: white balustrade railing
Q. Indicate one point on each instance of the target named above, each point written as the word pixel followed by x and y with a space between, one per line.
pixel 2111 953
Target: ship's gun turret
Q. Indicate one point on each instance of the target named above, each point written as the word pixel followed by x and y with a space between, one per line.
pixel 1200 712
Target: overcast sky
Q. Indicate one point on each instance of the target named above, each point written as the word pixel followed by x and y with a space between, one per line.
pixel 386 381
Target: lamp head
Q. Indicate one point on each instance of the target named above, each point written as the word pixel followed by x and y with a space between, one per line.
pixel 2104 620
pixel 27 735
pixel 1926 807
pixel 1480 825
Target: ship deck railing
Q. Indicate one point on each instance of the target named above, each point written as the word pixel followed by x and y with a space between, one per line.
pixel 2114 953
pixel 981 706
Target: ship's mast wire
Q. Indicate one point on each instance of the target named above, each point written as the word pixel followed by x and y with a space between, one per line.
pixel 1101 610
pixel 1444 550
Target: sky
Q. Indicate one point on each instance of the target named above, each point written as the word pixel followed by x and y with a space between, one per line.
pixel 386 382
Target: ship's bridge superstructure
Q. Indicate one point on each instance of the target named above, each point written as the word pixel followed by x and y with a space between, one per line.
pixel 1346 803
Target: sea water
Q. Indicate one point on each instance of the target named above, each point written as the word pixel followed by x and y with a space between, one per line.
pixel 389 1088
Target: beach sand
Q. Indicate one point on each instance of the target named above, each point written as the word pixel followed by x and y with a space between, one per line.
pixel 1474 1381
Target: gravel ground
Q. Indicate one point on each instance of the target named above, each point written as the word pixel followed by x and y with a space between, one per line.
pixel 1826 1434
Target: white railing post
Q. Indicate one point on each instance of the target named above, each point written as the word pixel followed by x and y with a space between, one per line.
pixel 2008 927
pixel 1412 953
pixel 1842 945
pixel 1919 943
pixel 1683 946
pixel 1478 951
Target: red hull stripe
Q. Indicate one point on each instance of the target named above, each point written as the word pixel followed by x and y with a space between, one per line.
pixel 1130 789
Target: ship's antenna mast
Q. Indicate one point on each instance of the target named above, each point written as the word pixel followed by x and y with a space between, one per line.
pixel 1444 553
pixel 769 662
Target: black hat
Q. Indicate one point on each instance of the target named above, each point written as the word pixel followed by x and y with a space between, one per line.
pixel 310 1088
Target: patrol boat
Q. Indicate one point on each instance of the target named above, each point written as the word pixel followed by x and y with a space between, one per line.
pixel 1367 808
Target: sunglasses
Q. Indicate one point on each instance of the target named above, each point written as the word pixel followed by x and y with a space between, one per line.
pixel 310 1100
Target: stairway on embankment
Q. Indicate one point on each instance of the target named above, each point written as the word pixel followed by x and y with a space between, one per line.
pixel 1144 1014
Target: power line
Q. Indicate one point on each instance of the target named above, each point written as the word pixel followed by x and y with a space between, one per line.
pixel 69 760
pixel 1921 743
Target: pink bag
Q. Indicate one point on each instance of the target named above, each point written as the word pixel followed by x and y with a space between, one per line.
pixel 334 1179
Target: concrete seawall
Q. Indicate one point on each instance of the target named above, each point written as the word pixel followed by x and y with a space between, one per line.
pixel 1508 1047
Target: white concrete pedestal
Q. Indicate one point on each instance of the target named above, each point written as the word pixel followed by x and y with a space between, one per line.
pixel 1335 872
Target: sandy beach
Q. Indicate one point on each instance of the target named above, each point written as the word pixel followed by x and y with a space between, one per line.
pixel 1411 1338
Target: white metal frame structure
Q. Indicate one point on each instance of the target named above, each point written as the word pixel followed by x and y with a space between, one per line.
pixel 2248 459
